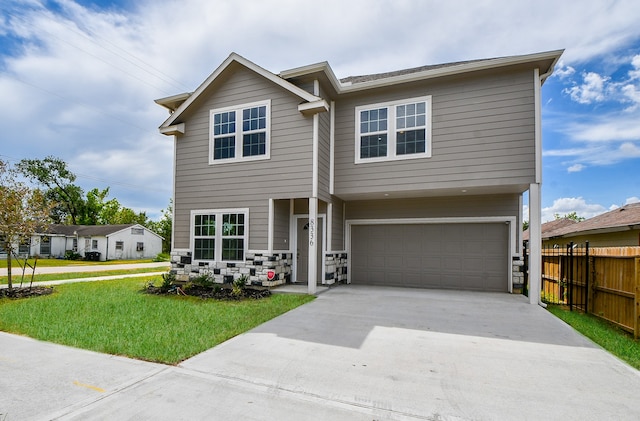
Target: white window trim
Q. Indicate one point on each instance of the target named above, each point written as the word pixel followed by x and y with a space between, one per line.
pixel 391 130
pixel 218 237
pixel 238 134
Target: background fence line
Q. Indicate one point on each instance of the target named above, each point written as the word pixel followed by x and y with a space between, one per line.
pixel 603 281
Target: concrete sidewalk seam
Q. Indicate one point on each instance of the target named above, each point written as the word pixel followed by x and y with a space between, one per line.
pixel 84 405
pixel 311 397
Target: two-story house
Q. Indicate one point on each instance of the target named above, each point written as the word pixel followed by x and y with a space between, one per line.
pixel 411 178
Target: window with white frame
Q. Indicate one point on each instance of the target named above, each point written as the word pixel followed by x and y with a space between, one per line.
pixel 393 130
pixel 137 231
pixel 119 245
pixel 220 235
pixel 94 244
pixel 240 133
pixel 139 246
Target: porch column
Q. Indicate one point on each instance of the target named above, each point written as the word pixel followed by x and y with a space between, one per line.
pixel 313 246
pixel 535 243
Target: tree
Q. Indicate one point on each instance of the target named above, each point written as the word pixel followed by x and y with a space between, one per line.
pixel 53 174
pixel 525 225
pixel 573 216
pixel 163 227
pixel 100 211
pixel 23 211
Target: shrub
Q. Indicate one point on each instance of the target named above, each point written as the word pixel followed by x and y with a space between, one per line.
pixel 238 286
pixel 204 281
pixel 168 279
pixel 162 257
pixel 72 255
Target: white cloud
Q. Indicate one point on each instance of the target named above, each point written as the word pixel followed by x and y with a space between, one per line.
pixel 591 90
pixel 631 200
pixel 575 168
pixel 566 205
pixel 635 73
pixel 563 71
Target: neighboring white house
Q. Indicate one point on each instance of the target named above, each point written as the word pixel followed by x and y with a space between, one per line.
pixel 128 241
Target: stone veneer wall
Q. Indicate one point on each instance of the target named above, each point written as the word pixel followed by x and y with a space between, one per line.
pixel 256 266
pixel 517 269
pixel 335 268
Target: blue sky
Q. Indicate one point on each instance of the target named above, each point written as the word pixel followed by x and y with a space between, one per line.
pixel 78 78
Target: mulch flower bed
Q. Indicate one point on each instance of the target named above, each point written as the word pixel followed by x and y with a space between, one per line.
pixel 222 292
pixel 25 292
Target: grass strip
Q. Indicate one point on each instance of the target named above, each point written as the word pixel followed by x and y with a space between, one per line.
pixel 62 262
pixel 75 275
pixel 610 337
pixel 115 317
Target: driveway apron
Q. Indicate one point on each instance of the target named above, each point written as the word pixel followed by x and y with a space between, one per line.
pixel 363 353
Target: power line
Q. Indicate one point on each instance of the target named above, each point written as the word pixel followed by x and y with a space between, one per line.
pixel 94 56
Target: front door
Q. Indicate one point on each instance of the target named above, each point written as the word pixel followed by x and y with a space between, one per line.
pixel 302 255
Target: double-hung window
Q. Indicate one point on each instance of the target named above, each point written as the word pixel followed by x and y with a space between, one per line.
pixel 240 133
pixel 220 235
pixel 393 130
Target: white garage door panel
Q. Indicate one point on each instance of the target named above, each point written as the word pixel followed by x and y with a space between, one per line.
pixel 458 256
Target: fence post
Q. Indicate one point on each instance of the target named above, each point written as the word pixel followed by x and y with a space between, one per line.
pixel 636 307
pixel 570 276
pixel 589 302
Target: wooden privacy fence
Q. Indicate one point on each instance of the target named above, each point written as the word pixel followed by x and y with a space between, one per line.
pixel 603 281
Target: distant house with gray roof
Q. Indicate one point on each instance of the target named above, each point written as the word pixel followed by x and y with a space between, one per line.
pixel 105 242
pixel 617 228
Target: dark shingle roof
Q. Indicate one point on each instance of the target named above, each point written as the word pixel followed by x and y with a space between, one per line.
pixel 625 216
pixel 367 78
pixel 548 228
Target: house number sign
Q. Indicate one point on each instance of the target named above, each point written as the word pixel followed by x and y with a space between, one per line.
pixel 312 231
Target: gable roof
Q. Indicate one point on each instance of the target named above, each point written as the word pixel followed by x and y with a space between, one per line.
pixel 621 219
pixel 548 228
pixel 183 101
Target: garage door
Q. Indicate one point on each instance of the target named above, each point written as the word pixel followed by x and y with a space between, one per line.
pixel 455 256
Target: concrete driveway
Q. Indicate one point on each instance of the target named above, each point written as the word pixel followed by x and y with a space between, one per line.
pixel 355 353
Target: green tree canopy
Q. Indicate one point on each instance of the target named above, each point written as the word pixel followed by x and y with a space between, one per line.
pixel 573 216
pixel 53 174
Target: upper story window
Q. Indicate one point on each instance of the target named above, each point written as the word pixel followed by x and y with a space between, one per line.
pixel 393 130
pixel 137 231
pixel 240 133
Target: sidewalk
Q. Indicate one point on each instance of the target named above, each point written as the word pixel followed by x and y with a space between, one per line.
pixel 17 270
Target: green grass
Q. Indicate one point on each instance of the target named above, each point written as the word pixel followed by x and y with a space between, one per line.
pixel 63 262
pixel 115 317
pixel 610 337
pixel 17 275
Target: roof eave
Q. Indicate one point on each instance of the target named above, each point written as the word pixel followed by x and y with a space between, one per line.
pixel 459 69
pixel 172 102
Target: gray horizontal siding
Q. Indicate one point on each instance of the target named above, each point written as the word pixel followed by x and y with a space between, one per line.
pixel 435 207
pixel 483 134
pixel 287 173
pixel 281 225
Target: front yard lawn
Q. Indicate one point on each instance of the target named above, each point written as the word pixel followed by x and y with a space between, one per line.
pixel 115 317
pixel 610 337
